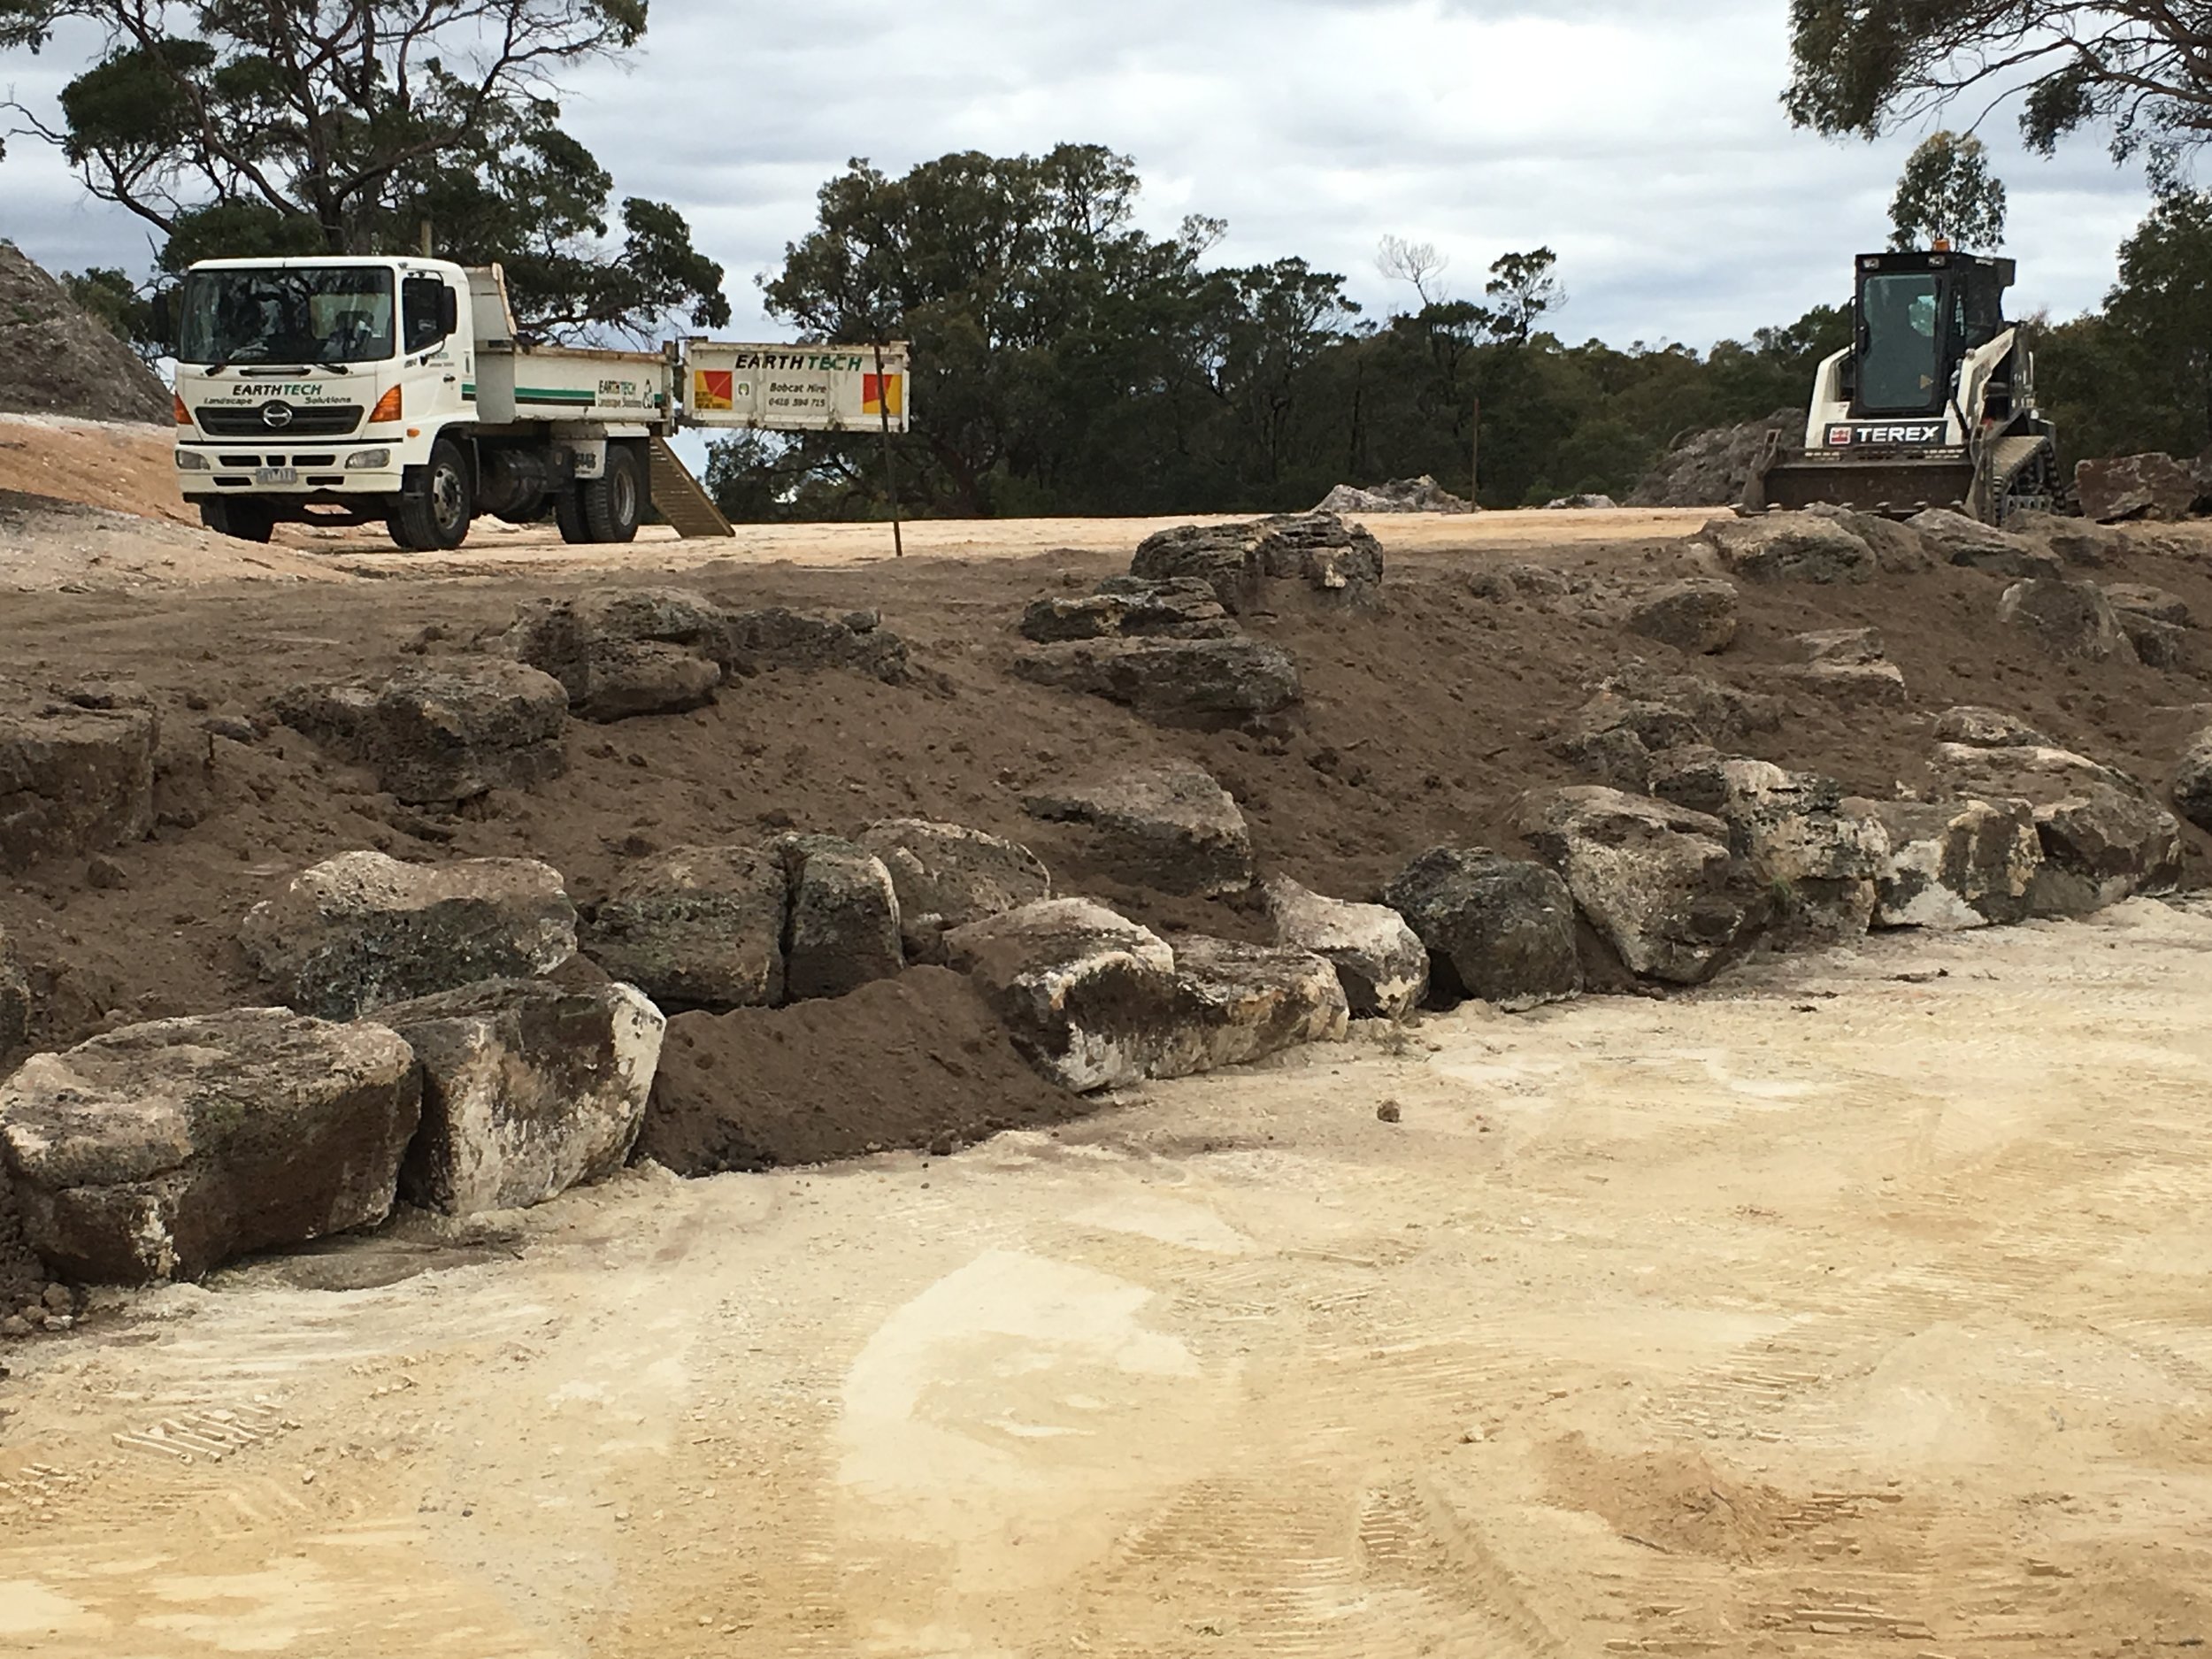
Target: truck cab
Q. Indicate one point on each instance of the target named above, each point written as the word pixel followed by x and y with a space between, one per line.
pixel 348 389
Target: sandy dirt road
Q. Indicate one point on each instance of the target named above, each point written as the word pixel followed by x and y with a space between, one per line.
pixel 1855 1306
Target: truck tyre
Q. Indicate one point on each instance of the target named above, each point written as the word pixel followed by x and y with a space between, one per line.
pixel 436 517
pixel 614 503
pixel 248 520
pixel 568 513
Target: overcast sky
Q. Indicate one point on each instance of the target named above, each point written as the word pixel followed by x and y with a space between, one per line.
pixel 1641 139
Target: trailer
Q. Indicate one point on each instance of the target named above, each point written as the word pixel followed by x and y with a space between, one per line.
pixel 355 390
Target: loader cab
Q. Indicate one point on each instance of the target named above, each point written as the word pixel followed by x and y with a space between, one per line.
pixel 1918 315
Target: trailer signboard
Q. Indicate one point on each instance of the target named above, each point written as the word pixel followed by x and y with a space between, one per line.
pixel 796 389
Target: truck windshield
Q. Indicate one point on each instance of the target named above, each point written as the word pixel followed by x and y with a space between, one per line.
pixel 1902 370
pixel 296 314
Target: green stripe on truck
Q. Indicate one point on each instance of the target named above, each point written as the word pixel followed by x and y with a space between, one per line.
pixel 546 395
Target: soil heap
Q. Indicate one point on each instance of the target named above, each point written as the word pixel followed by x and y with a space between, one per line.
pixel 56 359
pixel 1710 468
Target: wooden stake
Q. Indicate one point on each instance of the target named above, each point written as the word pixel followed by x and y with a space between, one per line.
pixel 890 463
pixel 1474 455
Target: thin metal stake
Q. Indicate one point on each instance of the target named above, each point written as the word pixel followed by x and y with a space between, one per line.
pixel 890 463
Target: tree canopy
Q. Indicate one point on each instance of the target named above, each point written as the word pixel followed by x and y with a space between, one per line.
pixel 342 125
pixel 1947 190
pixel 2140 69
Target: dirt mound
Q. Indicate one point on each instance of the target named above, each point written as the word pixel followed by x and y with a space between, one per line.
pixel 1676 1501
pixel 1710 468
pixel 916 1061
pixel 56 360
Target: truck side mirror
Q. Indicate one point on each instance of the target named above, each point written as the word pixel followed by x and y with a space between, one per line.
pixel 449 312
pixel 164 322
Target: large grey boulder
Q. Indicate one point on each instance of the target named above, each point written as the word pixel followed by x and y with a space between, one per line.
pixel 528 1090
pixel 1132 607
pixel 777 638
pixel 1087 995
pixel 1499 929
pixel 1976 727
pixel 620 652
pixel 2156 621
pixel 843 926
pixel 362 930
pixel 1957 864
pixel 160 1151
pixel 1698 616
pixel 1171 828
pixel 1658 882
pixel 1971 545
pixel 2193 782
pixel 2134 486
pixel 947 875
pixel 1200 683
pixel 443 731
pixel 1819 855
pixel 696 927
pixel 1342 562
pixel 1381 962
pixel 2142 599
pixel 2067 619
pixel 1790 547
pixel 1235 1003
pixel 1850 663
pixel 72 779
pixel 2103 838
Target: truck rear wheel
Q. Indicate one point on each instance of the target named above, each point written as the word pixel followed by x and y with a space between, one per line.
pixel 612 504
pixel 437 516
pixel 248 520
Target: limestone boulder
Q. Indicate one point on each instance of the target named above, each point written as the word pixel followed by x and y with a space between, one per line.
pixel 1500 929
pixel 1132 607
pixel 778 638
pixel 947 875
pixel 1820 855
pixel 1206 683
pixel 2142 599
pixel 1235 1003
pixel 528 1090
pixel 1696 617
pixel 1790 547
pixel 2067 619
pixel 1658 882
pixel 160 1151
pixel 2134 486
pixel 442 731
pixel 620 652
pixel 1850 663
pixel 72 779
pixel 1973 726
pixel 2103 845
pixel 362 930
pixel 2157 644
pixel 1956 864
pixel 1087 995
pixel 843 929
pixel 1971 545
pixel 696 927
pixel 1342 562
pixel 1899 548
pixel 1169 827
pixel 1379 961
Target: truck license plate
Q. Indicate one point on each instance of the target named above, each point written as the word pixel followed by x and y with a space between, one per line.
pixel 276 475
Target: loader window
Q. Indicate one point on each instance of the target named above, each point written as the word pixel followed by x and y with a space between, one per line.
pixel 1901 367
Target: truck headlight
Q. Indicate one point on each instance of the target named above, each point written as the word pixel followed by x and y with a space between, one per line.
pixel 191 461
pixel 366 460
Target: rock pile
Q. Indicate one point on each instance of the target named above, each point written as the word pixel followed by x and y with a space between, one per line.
pixel 54 359
pixel 1710 468
pixel 2138 486
pixel 1401 494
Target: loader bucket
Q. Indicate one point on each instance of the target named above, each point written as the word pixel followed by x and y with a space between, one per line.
pixel 1896 485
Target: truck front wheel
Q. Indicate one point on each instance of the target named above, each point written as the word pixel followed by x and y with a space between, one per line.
pixel 612 504
pixel 436 517
pixel 248 520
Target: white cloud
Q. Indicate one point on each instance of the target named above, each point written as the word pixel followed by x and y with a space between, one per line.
pixel 1641 139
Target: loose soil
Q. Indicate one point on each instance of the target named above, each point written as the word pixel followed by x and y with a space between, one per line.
pixel 1423 722
pixel 1839 1310
pixel 54 359
pixel 917 1061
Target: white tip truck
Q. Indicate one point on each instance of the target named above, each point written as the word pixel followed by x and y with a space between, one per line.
pixel 348 390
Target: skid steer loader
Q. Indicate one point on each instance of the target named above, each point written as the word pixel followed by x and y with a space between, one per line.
pixel 1931 405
